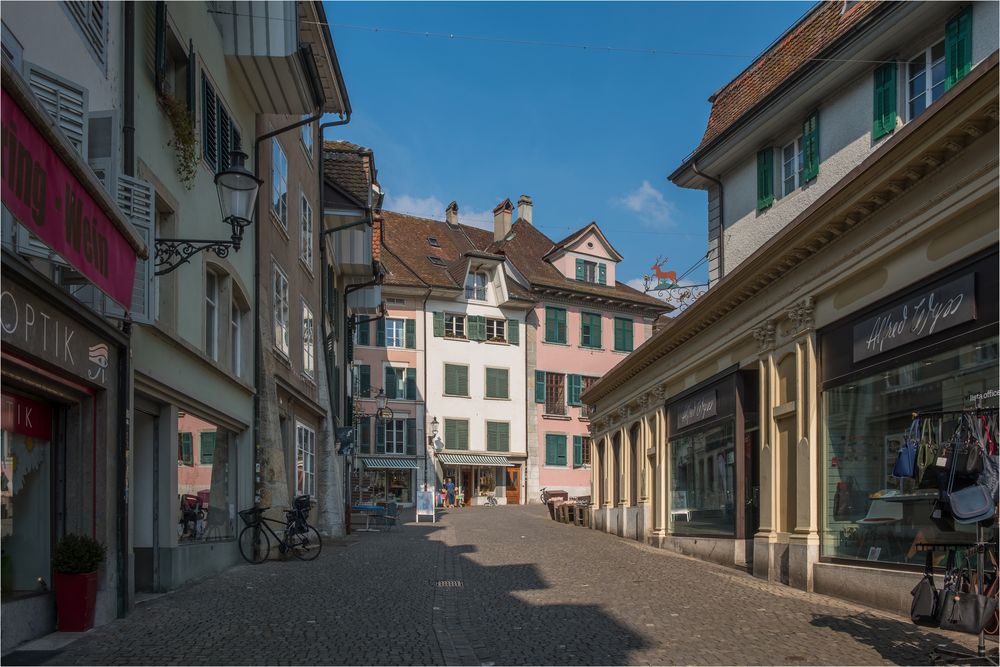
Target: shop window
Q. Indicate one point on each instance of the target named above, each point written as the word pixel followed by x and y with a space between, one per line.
pixel 868 514
pixel 487 481
pixel 703 481
pixel 305 460
pixel 206 480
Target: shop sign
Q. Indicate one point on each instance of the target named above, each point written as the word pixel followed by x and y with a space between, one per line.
pixel 48 199
pixel 24 416
pixel 917 318
pixel 697 408
pixel 39 329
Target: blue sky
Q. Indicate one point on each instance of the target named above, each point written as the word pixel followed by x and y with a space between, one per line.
pixel 588 134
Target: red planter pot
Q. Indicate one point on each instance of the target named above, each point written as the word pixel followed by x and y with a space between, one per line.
pixel 76 597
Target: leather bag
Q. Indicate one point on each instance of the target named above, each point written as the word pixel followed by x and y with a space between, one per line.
pixel 924 608
pixel 971 504
pixel 906 459
pixel 962 609
pixel 926 451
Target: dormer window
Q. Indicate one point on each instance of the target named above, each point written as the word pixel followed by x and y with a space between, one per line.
pixel 475 286
pixel 433 241
pixel 436 260
pixel 591 272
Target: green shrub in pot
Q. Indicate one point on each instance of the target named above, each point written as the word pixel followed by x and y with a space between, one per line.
pixel 77 554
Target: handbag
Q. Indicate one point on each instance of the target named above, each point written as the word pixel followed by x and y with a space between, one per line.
pixel 961 453
pixel 992 626
pixel 964 610
pixel 926 452
pixel 924 608
pixel 906 459
pixel 971 504
pixel 846 504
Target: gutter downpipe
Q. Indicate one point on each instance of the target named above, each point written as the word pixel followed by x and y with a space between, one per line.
pixel 722 218
pixel 426 439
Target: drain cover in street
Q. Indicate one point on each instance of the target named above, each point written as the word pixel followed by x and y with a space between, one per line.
pixel 449 583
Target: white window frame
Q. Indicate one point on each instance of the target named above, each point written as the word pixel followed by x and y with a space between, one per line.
pixel 307 137
pixel 308 340
pixel 400 376
pixel 496 329
pixel 212 314
pixel 305 231
pixel 280 309
pixel 796 162
pixel 279 177
pixel 305 460
pixel 589 272
pixel 474 291
pixel 391 341
pixel 236 339
pixel 928 69
pixel 397 429
pixel 454 325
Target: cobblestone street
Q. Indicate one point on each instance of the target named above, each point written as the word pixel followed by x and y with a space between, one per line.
pixel 492 586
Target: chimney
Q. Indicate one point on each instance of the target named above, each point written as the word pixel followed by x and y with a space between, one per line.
pixel 501 219
pixel 451 214
pixel 524 208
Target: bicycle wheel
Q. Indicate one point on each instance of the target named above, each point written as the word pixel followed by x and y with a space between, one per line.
pixel 306 544
pixel 254 544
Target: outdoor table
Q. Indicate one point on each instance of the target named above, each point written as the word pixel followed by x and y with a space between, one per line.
pixel 369 511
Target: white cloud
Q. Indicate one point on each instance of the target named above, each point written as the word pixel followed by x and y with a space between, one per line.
pixel 650 206
pixel 432 207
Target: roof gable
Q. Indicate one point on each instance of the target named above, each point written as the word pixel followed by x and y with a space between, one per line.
pixel 578 242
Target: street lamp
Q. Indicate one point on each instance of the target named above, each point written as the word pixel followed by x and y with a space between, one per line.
pixel 237 187
pixel 380 401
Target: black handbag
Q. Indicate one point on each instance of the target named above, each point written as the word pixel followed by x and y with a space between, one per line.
pixel 962 454
pixel 924 608
pixel 961 608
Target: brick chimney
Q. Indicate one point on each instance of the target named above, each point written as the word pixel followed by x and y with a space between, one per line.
pixel 524 208
pixel 451 214
pixel 501 219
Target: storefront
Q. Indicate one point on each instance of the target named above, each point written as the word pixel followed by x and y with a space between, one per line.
pixel 385 479
pixel 478 477
pixel 929 349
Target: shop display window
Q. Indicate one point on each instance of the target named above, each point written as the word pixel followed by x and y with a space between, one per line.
pixel 702 489
pixel 868 514
pixel 26 491
pixel 487 481
pixel 206 481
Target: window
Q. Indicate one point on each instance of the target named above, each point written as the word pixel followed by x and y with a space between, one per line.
pixel 364 434
pixel 433 241
pixel 791 166
pixel 308 341
pixel 91 21
pixel 555 449
pixel 281 310
pixel 305 460
pixel 765 178
pixel 395 334
pixel 555 394
pixel 623 334
pixel 279 184
pixel 555 325
pixel 475 286
pixel 363 333
pixel 810 147
pixel 456 433
pixel 925 79
pixel 587 382
pixel 590 330
pixel 400 383
pixel 206 447
pixel 496 330
pixel 454 325
pixel 185 453
pixel 497 436
pixel 363 380
pixel 456 380
pixel 395 436
pixel 575 383
pixel 591 272
pixel 307 137
pixel 497 383
pixel 212 315
pixel 305 231
pixel 437 261
pixel 581 451
pixel 236 340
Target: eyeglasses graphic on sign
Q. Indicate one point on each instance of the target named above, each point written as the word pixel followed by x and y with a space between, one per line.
pixel 99 358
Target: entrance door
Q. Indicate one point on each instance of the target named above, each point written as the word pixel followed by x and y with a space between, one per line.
pixel 512 482
pixel 468 477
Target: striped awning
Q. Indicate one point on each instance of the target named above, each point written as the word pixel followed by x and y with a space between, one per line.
pixel 474 460
pixel 395 464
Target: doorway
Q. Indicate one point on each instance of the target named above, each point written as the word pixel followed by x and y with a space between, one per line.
pixel 144 510
pixel 468 478
pixel 512 482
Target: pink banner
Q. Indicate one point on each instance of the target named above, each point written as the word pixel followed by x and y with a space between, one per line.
pixel 45 197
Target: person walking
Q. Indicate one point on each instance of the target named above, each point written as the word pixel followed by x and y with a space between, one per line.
pixel 450 488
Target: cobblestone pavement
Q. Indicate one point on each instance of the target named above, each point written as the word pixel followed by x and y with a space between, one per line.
pixel 499 586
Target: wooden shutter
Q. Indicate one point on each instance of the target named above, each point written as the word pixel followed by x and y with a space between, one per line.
pixel 379 436
pixel 579 269
pixel 364 443
pixel 411 436
pixel 475 327
pixel 364 333
pixel 577 451
pixel 206 447
pixel 89 15
pixel 595 330
pixel 225 132
pixel 187 448
pixel 575 386
pixel 602 274
pixel 491 436
pixel 410 334
pixel 539 386
pixel 550 325
pixel 884 96
pixel 463 380
pixel 64 100
pixel 561 450
pixel 958 47
pixel 365 380
pixel 550 450
pixel 810 148
pixel 450 379
pixel 411 384
pixel 765 178
pixel 461 434
pixel 209 129
pixel 439 325
pixel 391 385
pixel 561 325
pixel 380 332
pixel 513 333
pixel 137 200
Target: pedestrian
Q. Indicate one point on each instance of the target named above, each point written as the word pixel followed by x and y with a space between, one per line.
pixel 450 488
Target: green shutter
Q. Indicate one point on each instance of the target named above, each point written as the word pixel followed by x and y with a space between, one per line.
pixel 475 327
pixel 810 148
pixel 958 47
pixel 411 384
pixel 497 436
pixel 590 330
pixel 575 387
pixel 561 451
pixel 411 334
pixel 380 437
pixel 364 435
pixel 391 385
pixel 561 322
pixel 539 386
pixel 365 380
pixel 555 450
pixel 463 381
pixel 550 450
pixel 551 325
pixel 496 383
pixel 765 178
pixel 450 380
pixel 579 269
pixel 187 449
pixel 206 448
pixel 491 436
pixel 884 96
pixel 462 434
pixel 365 333
pixel 503 384
pixel 411 436
pixel 439 324
pixel 623 334
pixel 629 344
pixel 513 332
pixel 380 332
pixel 577 451
pixel 602 274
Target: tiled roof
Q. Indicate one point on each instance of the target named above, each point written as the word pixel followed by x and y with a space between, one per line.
pixel 348 171
pixel 405 237
pixel 814 33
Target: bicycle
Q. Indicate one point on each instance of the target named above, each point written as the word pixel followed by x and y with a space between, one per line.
pixel 491 500
pixel 300 539
pixel 541 495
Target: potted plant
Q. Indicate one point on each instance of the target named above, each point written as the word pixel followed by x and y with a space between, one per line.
pixel 75 562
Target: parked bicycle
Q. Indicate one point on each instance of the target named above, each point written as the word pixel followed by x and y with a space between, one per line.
pixel 491 500
pixel 542 496
pixel 299 538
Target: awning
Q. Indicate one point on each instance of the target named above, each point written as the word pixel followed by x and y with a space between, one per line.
pixel 395 464
pixel 474 460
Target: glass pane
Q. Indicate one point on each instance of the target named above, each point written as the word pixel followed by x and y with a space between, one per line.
pixel 703 484
pixel 206 482
pixel 27 487
pixel 917 86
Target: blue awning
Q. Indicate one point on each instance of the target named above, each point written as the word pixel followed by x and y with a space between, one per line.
pixel 394 464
